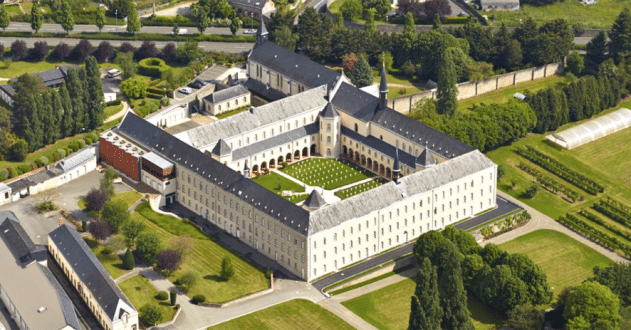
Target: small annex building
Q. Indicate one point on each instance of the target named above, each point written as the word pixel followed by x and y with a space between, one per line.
pixel 592 130
pixel 52 79
pixel 106 300
pixel 28 289
pixel 225 100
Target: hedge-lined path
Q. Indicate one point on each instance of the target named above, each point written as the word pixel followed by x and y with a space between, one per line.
pixel 118 114
pixel 542 221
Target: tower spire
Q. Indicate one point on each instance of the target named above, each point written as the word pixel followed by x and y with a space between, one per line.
pixel 396 169
pixel 261 34
pixel 383 87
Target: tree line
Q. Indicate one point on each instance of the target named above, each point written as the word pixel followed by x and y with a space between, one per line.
pixel 454 265
pixel 41 115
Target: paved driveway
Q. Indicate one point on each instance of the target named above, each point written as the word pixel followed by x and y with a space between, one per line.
pixel 503 207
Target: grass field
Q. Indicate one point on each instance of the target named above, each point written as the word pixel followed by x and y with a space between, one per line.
pixel 602 160
pixel 327 173
pixel 19 68
pixel 566 261
pixel 128 197
pixel 112 262
pixel 272 180
pixel 13 10
pixel 110 111
pixel 232 112
pixel 505 94
pixel 293 314
pixel 204 259
pixel 360 188
pixel 141 292
pixel 389 308
pixel 598 16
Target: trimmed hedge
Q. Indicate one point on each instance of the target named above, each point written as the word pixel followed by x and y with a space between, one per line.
pixel 137 36
pixel 156 90
pixel 162 295
pixel 550 184
pixel 152 67
pixel 115 102
pixel 154 96
pixel 199 298
pixel 23 168
pixel 585 229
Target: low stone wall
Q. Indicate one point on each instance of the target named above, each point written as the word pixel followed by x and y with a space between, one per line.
pixel 168 323
pixel 470 89
pixel 238 300
pixel 387 269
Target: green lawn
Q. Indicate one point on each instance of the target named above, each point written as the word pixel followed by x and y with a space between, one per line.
pixel 112 262
pixel 598 16
pixel 140 292
pixel 505 94
pixel 389 308
pixel 566 261
pixel 602 160
pixel 204 259
pixel 13 10
pixel 296 198
pixel 327 173
pixel 349 192
pixel 112 110
pixel 232 112
pixel 128 197
pixel 293 314
pixel 272 180
pixel 19 68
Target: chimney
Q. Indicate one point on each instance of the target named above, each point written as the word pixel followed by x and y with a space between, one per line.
pixel 61 221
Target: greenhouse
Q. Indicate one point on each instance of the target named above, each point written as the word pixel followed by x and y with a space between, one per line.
pixel 593 129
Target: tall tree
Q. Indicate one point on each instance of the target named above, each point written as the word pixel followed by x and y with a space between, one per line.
pixel 447 93
pixel 57 115
pixel 592 301
pixel 314 33
pixel 201 18
pixel 36 17
pixel 47 116
pixel 597 50
pixel 361 75
pixel 235 24
pixel 67 120
pixel 285 38
pixel 67 19
pixel 620 36
pixel 4 18
pixel 370 26
pixel 95 97
pixel 453 297
pixel 100 18
pixel 133 23
pixel 426 313
pixel 76 92
pixel 5 128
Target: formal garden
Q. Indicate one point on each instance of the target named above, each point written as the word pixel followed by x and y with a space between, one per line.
pixel 141 293
pixel 327 173
pixel 293 314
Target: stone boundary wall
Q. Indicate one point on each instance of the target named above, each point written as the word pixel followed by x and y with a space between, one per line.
pixel 470 89
pixel 238 300
pixel 398 264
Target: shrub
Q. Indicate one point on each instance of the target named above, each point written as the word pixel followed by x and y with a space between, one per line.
pixel 18 150
pixel 150 314
pixel 60 52
pixel 128 261
pixel 61 153
pixel 44 160
pixel 38 162
pixel 227 271
pixel 84 226
pixel 23 168
pixel 162 295
pixel 164 101
pixel 173 296
pixel 18 50
pixel 107 250
pixel 87 140
pixel 189 279
pixel 81 143
pixel 531 191
pixel 168 260
pixel 153 67
pixel 4 174
pixel 111 103
pixel 199 298
pixel 13 172
pixel 101 230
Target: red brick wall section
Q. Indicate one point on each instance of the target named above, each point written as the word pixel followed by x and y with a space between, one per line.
pixel 120 160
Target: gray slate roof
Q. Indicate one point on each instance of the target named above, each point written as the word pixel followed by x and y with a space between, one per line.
pixel 261 89
pixel 381 146
pixel 329 111
pixel 425 159
pixel 314 201
pixel 293 66
pixel 275 141
pixel 78 159
pixel 16 238
pixel 209 134
pixel 89 269
pixel 383 84
pixel 221 148
pixel 226 94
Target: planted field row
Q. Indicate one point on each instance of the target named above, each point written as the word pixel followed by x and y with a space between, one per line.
pixel 555 167
pixel 585 229
pixel 617 206
pixel 612 213
pixel 598 220
pixel 551 184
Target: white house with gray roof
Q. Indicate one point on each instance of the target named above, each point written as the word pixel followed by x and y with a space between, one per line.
pixel 231 98
pixel 28 289
pixel 434 180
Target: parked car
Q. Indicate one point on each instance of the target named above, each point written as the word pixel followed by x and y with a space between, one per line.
pixel 113 73
pixel 199 84
pixel 181 31
pixel 186 90
pixel 250 31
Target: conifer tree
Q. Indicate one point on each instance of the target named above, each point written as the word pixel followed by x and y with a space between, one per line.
pixel 128 261
pixel 453 297
pixel 426 312
pixel 361 75
pixel 370 22
pixel 67 122
pixel 34 136
pixel 620 36
pixel 94 100
pixel 597 50
pixel 447 93
pixel 58 112
pixel 48 119
pixel 75 90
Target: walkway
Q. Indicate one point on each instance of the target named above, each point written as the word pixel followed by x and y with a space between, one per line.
pixel 542 221
pixel 118 114
pixel 503 207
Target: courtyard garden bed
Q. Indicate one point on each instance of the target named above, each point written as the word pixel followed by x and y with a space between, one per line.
pixel 140 292
pixel 327 173
pixel 112 262
pixel 360 188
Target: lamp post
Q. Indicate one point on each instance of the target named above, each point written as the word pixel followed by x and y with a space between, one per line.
pixel 116 14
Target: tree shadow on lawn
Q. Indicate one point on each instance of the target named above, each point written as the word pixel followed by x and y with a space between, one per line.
pixel 215 278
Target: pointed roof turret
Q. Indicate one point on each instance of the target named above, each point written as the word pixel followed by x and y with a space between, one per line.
pixel 314 201
pixel 246 169
pixel 261 34
pixel 396 168
pixel 425 159
pixel 329 111
pixel 383 85
pixel 221 148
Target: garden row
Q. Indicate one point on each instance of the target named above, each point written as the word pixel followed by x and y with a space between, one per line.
pixel 585 229
pixel 550 184
pixel 598 220
pixel 557 168
pixel 604 208
pixel 505 225
pixel 53 156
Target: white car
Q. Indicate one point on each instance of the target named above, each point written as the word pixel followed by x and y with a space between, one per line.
pixel 186 90
pixel 249 31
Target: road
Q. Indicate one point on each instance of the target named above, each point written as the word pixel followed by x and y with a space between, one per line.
pixel 228 47
pixel 56 28
pixel 503 207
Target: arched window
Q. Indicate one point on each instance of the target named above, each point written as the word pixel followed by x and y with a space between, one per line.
pixel 356 128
